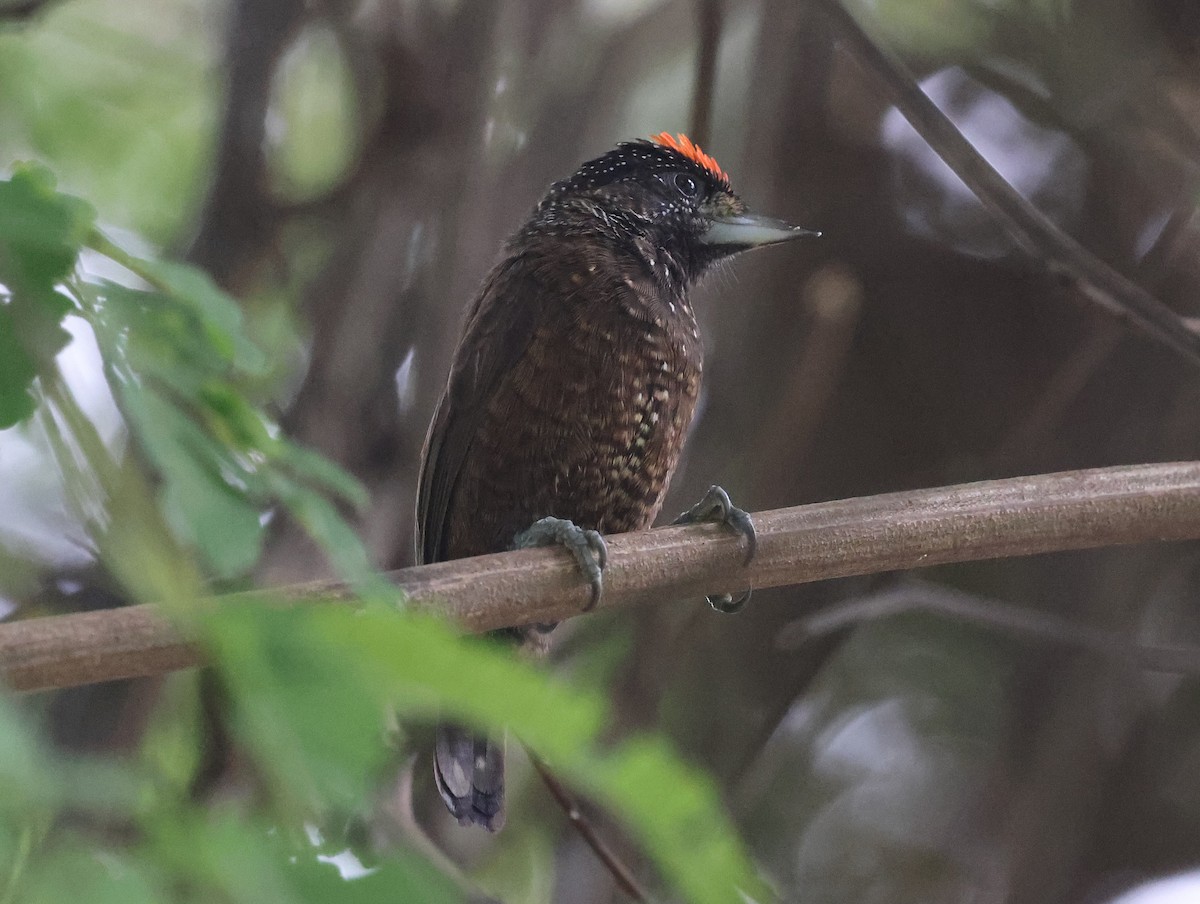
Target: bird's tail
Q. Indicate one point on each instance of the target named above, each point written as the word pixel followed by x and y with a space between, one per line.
pixel 469 770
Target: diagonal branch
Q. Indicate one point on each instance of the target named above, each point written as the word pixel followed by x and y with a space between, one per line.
pixel 1029 227
pixel 913 529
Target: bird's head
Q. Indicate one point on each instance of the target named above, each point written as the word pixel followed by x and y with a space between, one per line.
pixel 664 196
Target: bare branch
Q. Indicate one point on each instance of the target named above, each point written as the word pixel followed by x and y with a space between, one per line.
pixel 1029 227
pixel 914 529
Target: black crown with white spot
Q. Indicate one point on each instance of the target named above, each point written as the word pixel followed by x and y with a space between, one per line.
pixel 633 160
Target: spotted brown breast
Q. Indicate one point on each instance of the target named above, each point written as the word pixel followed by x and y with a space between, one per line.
pixel 574 387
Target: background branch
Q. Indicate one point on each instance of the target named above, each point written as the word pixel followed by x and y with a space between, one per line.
pixel 1028 226
pixel 922 596
pixel 709 16
pixel 919 528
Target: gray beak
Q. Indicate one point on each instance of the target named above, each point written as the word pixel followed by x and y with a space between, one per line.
pixel 749 231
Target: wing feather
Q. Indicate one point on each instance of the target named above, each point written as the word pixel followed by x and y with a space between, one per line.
pixel 497 333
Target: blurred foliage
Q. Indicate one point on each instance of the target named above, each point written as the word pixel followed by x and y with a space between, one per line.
pixel 313 96
pixel 309 687
pixel 74 89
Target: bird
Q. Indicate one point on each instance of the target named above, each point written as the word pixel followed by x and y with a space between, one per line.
pixel 573 386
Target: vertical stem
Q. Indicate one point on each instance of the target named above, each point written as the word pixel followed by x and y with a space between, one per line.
pixel 709 15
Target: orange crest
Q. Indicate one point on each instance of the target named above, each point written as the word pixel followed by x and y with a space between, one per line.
pixel 684 145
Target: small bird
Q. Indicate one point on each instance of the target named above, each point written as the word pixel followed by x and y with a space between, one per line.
pixel 574 384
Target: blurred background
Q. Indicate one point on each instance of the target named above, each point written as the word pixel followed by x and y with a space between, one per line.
pixel 348 171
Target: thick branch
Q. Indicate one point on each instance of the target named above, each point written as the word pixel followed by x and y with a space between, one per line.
pixel 989 520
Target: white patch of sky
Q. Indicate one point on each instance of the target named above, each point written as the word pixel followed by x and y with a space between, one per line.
pixel 869 740
pixel 38 521
pixel 1181 889
pixel 617 12
pixel 406 389
pixel 347 864
pixel 1151 232
pixel 1042 164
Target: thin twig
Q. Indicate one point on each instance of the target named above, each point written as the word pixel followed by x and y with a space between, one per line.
pixel 621 873
pixel 709 16
pixel 914 529
pixel 923 596
pixel 1032 230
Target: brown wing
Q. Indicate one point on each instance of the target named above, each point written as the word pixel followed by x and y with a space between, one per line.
pixel 496 335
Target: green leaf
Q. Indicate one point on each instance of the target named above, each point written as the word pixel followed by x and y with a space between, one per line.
pixel 234 860
pixel 41 231
pixel 402 877
pixel 221 458
pixel 241 860
pixel 428 668
pixel 676 812
pixel 219 314
pixel 314 681
pixel 152 336
pixel 82 874
pixel 322 521
pixel 17 373
pixel 234 422
pixel 313 717
pixel 326 476
pixel 21 775
pixel 204 511
pixel 79 873
pixel 674 808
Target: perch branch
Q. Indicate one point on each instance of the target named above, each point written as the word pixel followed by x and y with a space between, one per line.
pixel 912 529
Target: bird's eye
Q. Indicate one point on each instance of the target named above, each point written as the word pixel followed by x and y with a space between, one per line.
pixel 687 185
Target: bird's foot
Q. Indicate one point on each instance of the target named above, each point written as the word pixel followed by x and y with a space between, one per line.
pixel 715 507
pixel 587 546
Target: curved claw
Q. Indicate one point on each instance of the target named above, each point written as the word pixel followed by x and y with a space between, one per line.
pixel 587 546
pixel 716 507
pixel 728 603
